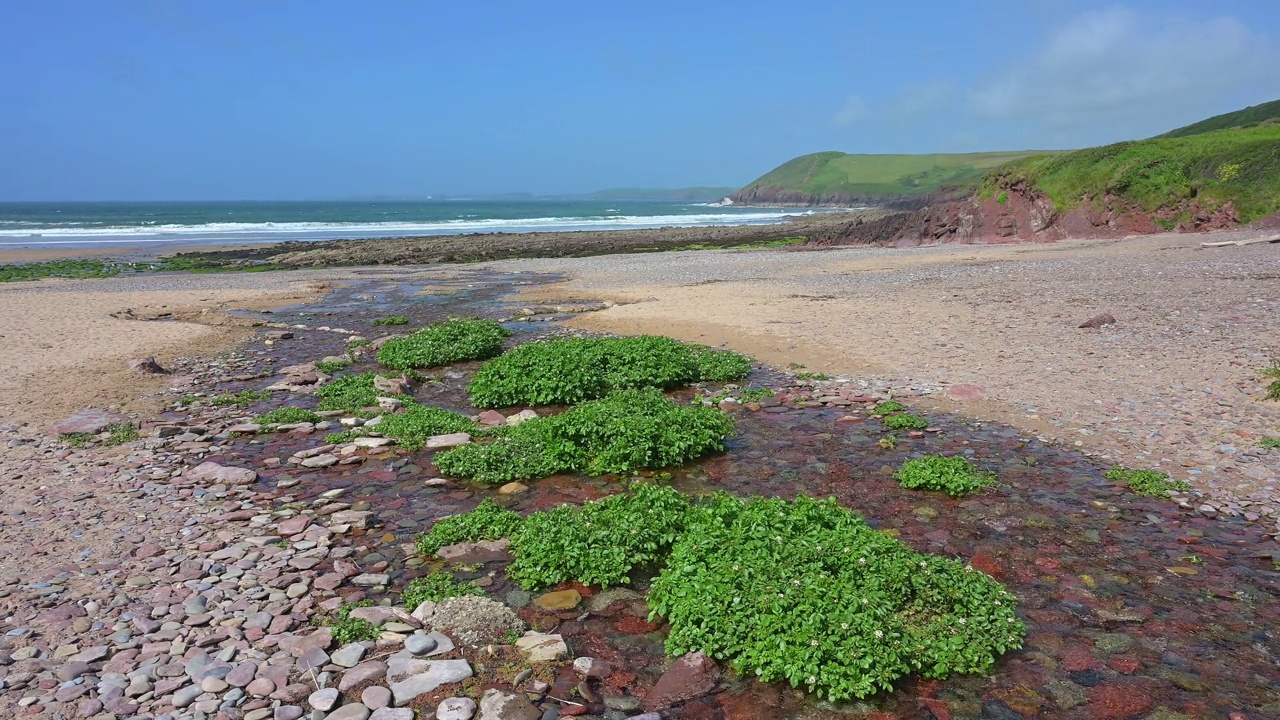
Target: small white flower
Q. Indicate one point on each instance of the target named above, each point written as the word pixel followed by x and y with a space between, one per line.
pixel 813 643
pixel 812 680
pixel 796 583
pixel 865 601
pixel 968 568
pixel 962 621
pixel 923 563
pixel 862 561
pixel 879 634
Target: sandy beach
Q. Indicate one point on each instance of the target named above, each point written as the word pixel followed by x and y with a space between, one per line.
pixel 1172 384
pixel 67 343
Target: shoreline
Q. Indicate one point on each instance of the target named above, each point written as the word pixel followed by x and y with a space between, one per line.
pixel 468 247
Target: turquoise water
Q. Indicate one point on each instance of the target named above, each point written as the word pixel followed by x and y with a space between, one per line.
pixel 88 224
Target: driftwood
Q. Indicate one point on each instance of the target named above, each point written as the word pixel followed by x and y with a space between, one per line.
pixel 1237 243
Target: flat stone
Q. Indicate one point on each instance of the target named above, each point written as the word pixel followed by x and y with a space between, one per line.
pixel 186 696
pixel 439 442
pixel 242 674
pixel 692 675
pixel 288 712
pixel 323 460
pixel 388 713
pixel 91 422
pixel 482 551
pixel 348 655
pixel 213 473
pixel 512 488
pixel 315 658
pixel 354 711
pixel 456 708
pixel 558 600
pixel 293 525
pixel 366 671
pixel 539 647
pixel 261 687
pixel 498 704
pixel 409 677
pixel 370 579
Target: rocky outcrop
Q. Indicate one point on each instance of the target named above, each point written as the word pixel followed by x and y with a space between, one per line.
pixel 1016 212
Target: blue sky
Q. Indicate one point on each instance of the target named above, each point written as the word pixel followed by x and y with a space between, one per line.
pixel 298 100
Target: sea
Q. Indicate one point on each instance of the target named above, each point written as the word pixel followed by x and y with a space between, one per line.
pixel 81 224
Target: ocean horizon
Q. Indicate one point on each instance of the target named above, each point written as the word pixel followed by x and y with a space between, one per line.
pixel 89 224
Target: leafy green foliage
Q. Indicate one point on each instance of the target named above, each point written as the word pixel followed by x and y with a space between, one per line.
pixel 488 521
pixel 287 416
pixel 806 592
pixel 1146 482
pixel 347 629
pixel 91 268
pixel 331 367
pixel 626 431
pixel 392 320
pixel 888 406
pixel 1162 173
pixel 601 542
pixel 812 376
pixel 436 587
pixel 445 343
pixel 956 476
pixel 1270 443
pixel 412 426
pixel 350 393
pixel 1272 372
pixel 571 370
pixel 905 421
pixel 244 398
pixel 77 440
pixel 121 433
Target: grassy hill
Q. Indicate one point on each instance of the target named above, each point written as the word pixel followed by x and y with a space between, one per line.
pixel 1168 173
pixel 836 177
pixel 1266 113
pixel 689 194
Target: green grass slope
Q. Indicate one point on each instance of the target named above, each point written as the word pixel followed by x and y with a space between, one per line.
pixel 1241 166
pixel 1266 113
pixel 840 177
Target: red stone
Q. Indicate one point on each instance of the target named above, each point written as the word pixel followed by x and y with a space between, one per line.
pixel 633 625
pixel 1125 664
pixel 937 707
pixel 1117 701
pixel 986 564
pixel 692 675
pixel 1074 660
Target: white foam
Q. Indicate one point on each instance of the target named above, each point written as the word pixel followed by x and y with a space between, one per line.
pixel 315 230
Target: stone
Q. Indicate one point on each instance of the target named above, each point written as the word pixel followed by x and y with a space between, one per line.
pixel 261 687
pixel 498 704
pixel 213 473
pixel 322 460
pixel 692 675
pixel 966 393
pixel 370 579
pixel 410 677
pixel 90 422
pixel 354 711
pixel 315 658
pixel 492 418
pixel 323 700
pixel 558 600
pixel 588 667
pixel 293 525
pixel 440 442
pixel 367 671
pixel 1097 321
pixel 482 551
pixel 242 674
pixel 389 713
pixel 375 697
pixel 522 416
pixel 512 488
pixel 146 366
pixel 186 696
pixel 288 712
pixel 420 644
pixel 348 655
pixel 456 708
pixel 538 647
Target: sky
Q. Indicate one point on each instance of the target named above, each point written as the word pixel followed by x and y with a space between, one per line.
pixel 230 99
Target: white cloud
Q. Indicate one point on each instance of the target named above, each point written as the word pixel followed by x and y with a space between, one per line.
pixel 1119 66
pixel 855 110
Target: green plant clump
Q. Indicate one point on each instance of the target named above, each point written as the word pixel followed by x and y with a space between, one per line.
pixel 121 433
pixel 436 587
pixel 77 440
pixel 1269 443
pixel 627 431
pixel 570 370
pixel 905 421
pixel 244 398
pixel 1272 373
pixel 812 376
pixel 801 591
pixel 888 406
pixel 808 593
pixel 956 476
pixel 445 343
pixel 347 629
pixel 89 268
pixel 349 393
pixel 1146 482
pixel 287 416
pixel 488 521
pixel 600 542
pixel 332 367
pixel 411 427
pixel 393 320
